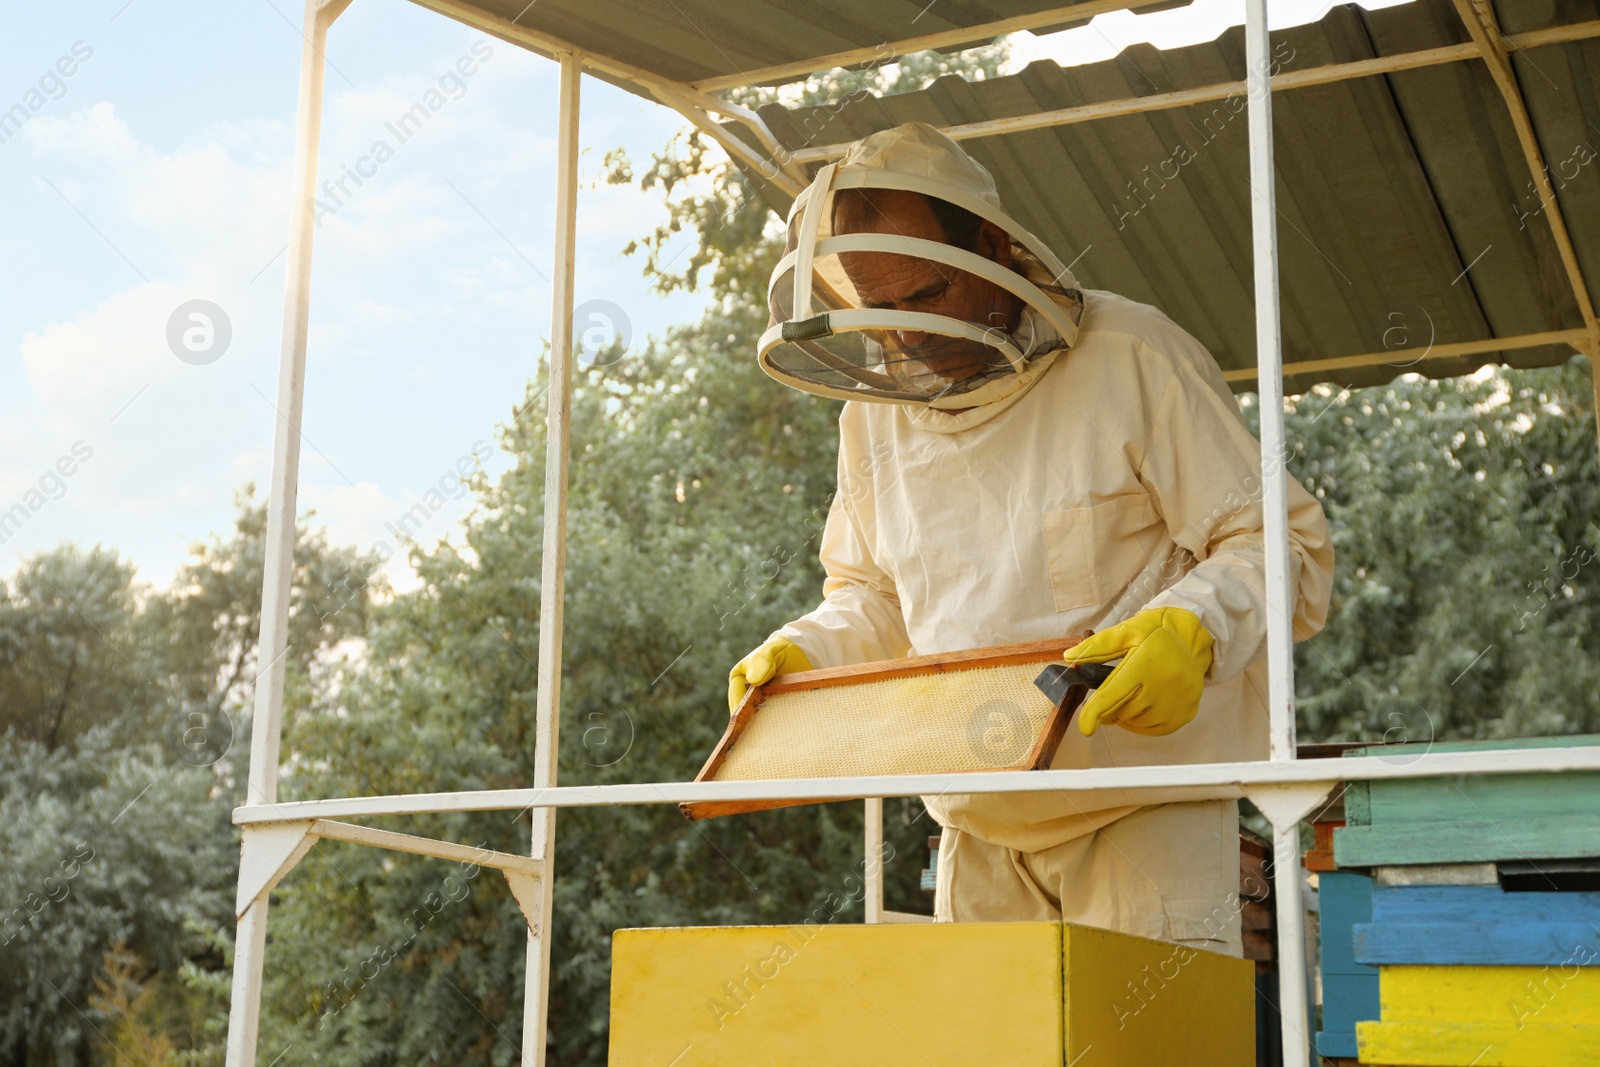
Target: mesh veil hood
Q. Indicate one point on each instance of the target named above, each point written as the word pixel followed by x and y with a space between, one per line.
pixel 825 338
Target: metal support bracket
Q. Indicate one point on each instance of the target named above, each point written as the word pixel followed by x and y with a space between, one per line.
pixel 1287 804
pixel 269 852
pixel 525 887
pixel 272 849
pixel 425 846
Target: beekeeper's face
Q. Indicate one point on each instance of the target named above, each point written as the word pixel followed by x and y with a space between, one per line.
pixel 911 283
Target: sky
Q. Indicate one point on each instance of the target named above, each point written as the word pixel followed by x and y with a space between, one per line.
pixel 142 262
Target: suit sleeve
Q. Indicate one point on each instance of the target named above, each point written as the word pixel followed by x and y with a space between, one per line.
pixel 859 619
pixel 1202 467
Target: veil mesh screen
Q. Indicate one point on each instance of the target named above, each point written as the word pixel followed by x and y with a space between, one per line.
pixel 984 718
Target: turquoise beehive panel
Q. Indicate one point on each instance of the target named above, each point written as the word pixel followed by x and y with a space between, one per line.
pixel 1472 818
pixel 1349 988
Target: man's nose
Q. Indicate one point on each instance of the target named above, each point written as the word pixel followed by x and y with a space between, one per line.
pixel 911 338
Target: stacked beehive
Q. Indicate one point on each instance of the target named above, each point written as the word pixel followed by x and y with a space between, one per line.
pixel 1484 924
pixel 1349 988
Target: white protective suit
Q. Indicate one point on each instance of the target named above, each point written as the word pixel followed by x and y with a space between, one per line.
pixel 1118 477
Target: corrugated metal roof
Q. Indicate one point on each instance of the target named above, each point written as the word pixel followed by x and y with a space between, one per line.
pixel 1406 210
pixel 694 40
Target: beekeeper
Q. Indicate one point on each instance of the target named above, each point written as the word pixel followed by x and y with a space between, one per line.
pixel 1023 459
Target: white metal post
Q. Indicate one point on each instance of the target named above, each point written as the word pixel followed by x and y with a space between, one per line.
pixel 279 566
pixel 267 720
pixel 244 1007
pixel 1293 1003
pixel 1274 478
pixel 547 728
pixel 1269 371
pixel 873 862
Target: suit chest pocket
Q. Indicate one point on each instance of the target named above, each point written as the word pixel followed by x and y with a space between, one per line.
pixel 1095 552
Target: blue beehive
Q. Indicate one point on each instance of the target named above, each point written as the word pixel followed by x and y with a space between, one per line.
pixel 1456 899
pixel 1349 988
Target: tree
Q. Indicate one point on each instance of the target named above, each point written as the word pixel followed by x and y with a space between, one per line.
pixel 1467 594
pixel 104 845
pixel 201 634
pixel 123 718
pixel 66 646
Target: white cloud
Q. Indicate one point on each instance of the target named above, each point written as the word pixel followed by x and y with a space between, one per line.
pixel 212 212
pixel 353 514
pixel 425 322
pixel 1195 23
pixel 83 371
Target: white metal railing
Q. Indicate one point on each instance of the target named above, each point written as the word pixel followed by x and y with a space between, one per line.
pixel 1193 781
pixel 276 835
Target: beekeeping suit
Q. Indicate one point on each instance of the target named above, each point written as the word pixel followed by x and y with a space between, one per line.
pixel 1059 466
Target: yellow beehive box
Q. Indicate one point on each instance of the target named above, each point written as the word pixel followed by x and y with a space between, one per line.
pixel 1489 1016
pixel 965 994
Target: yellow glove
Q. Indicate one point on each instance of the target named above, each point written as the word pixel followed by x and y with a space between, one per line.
pixel 1155 690
pixel 778 656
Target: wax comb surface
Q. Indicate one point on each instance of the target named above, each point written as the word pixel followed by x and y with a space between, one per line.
pixel 963 711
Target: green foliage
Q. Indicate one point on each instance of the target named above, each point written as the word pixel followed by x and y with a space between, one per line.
pixel 65 637
pixel 103 845
pixel 121 727
pixel 201 635
pixel 1467 584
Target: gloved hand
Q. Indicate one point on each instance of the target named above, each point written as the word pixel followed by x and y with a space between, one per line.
pixel 778 656
pixel 1155 690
